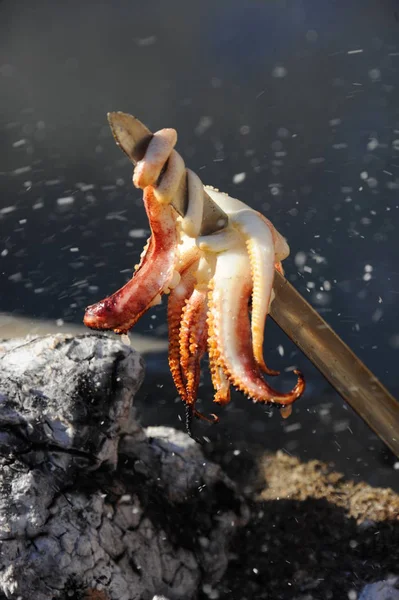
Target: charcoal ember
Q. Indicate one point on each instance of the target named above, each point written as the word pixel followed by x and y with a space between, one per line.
pixel 91 504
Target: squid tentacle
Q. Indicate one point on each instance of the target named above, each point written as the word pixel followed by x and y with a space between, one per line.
pixel 176 302
pixel 193 338
pixel 259 241
pixel 231 346
pixel 125 307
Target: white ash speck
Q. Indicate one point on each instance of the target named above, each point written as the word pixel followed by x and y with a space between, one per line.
pixel 66 201
pixel 203 124
pixel 275 191
pixel 292 427
pixel 280 350
pixel 7 210
pixel 321 298
pixel 239 177
pixel 138 233
pixel 377 315
pixel 372 144
pixel 279 72
pixel 22 170
pixel 19 143
pixel 374 74
pixel 300 259
pixel 372 182
pixel 146 41
pixel 85 187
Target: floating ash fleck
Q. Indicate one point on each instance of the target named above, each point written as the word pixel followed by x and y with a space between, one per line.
pixel 280 350
pixel 146 41
pixel 321 298
pixel 374 74
pixel 372 144
pixel 204 124
pixel 279 72
pixel 65 201
pixel 239 177
pixel 138 233
pixel 7 210
pixel 22 170
pixel 377 315
pixel 357 51
pixel 368 269
pixel 19 143
pixel 300 259
pixel 292 427
pixel 85 187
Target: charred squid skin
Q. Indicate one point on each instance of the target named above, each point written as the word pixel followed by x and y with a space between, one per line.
pixel 123 309
pixel 231 345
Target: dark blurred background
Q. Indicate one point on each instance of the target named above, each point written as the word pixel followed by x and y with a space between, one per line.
pixel 292 106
